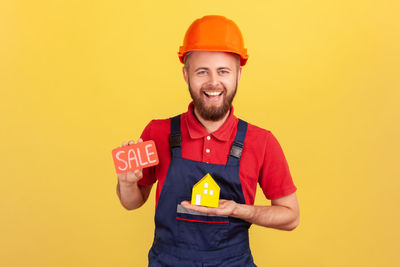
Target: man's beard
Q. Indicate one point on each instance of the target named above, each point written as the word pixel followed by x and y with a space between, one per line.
pixel 212 113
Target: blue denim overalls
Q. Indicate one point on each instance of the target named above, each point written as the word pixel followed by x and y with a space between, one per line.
pixel 187 238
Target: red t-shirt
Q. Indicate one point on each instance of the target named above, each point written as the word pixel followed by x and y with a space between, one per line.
pixel 262 160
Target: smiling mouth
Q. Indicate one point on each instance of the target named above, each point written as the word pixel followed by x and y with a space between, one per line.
pixel 211 94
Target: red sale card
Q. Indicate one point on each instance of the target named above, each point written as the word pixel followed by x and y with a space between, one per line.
pixel 136 156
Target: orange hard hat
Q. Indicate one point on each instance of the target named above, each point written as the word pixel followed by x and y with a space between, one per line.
pixel 214 33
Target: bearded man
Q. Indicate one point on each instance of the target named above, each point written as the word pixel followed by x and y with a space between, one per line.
pixel 210 139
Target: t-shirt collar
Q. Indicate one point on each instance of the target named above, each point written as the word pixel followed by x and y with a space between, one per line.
pixel 197 130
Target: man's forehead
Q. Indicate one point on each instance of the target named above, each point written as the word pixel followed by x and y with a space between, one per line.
pixel 213 58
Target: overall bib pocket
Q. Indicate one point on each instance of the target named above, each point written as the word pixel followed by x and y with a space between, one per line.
pixel 201 231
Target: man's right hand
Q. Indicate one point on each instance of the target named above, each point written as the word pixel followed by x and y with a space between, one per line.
pixel 131 195
pixel 131 177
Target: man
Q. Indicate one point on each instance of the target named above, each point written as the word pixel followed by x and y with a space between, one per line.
pixel 208 138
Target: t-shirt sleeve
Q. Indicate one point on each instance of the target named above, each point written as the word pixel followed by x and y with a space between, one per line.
pixel 148 173
pixel 275 178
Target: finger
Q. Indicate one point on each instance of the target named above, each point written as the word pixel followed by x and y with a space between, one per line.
pixel 138 173
pixel 131 142
pixel 131 175
pixel 204 209
pixel 185 203
pixel 188 205
pixel 124 144
pixel 140 140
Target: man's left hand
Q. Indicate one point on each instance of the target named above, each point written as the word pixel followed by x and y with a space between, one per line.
pixel 282 214
pixel 225 208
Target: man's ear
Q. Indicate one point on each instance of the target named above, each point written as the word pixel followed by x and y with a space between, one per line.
pixel 239 73
pixel 185 74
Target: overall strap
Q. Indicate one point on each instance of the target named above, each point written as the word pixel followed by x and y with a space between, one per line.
pixel 175 138
pixel 237 145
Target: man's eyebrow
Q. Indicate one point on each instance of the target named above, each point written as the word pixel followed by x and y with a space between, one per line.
pixel 201 68
pixel 221 68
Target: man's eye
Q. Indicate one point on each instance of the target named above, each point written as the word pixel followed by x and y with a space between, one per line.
pixel 224 72
pixel 201 72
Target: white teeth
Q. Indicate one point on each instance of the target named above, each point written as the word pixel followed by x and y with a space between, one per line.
pixel 213 93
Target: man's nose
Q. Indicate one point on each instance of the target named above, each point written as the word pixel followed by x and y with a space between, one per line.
pixel 213 80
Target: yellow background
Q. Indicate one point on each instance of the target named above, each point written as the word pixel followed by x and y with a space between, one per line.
pixel 79 77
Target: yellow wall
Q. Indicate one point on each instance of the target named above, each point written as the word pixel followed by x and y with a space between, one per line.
pixel 79 77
